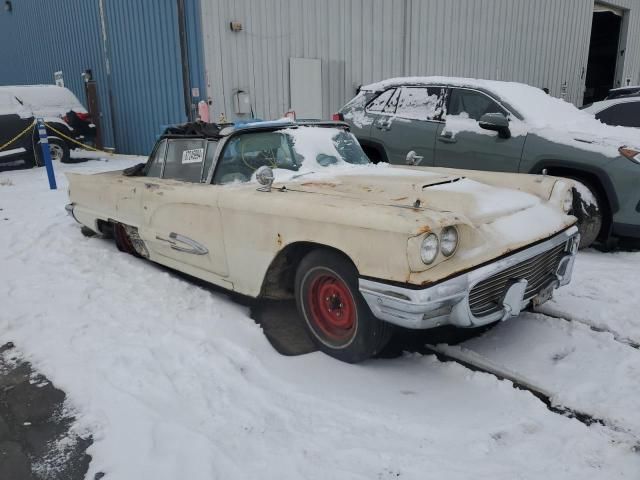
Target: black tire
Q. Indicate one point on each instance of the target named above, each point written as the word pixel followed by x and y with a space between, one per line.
pixel 59 151
pixel 590 215
pixel 326 279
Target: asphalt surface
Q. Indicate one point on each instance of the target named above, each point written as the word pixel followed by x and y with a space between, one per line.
pixel 35 438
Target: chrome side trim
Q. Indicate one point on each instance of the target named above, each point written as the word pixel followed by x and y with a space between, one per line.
pixel 69 208
pixel 447 302
pixel 192 247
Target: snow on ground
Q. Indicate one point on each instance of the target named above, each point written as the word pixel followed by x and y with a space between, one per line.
pixel 577 368
pixel 604 294
pixel 175 380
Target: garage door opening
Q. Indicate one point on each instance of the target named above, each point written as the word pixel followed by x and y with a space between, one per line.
pixel 604 53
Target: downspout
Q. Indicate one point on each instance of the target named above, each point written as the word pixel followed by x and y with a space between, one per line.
pixel 184 54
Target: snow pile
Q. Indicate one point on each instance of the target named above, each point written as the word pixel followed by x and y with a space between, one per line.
pixel 176 381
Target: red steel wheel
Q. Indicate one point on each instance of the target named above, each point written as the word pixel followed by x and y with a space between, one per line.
pixel 332 308
pixel 336 315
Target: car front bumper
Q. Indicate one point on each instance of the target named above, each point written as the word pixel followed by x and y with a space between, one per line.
pixel 523 277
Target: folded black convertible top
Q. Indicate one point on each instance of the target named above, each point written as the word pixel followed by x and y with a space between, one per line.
pixel 195 129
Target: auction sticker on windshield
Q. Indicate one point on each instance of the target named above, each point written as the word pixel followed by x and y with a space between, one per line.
pixel 193 156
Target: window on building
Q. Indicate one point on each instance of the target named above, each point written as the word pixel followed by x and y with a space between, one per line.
pixel 155 162
pixel 472 103
pixel 622 114
pixel 184 160
pixel 420 103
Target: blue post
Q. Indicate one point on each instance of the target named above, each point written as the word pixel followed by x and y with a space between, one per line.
pixel 46 154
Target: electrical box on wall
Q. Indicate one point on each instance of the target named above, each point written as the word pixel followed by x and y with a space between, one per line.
pixel 242 102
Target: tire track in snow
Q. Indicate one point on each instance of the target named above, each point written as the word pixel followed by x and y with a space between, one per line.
pixel 476 363
pixel 624 340
pixel 574 370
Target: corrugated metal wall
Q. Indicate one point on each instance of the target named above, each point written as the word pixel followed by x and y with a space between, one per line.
pixel 541 42
pixel 39 38
pixel 143 47
pixel 357 40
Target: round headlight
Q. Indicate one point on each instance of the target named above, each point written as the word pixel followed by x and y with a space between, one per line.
pixel 429 248
pixel 567 201
pixel 448 241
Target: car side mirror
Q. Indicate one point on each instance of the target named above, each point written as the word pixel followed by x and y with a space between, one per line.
pixel 264 176
pixel 496 122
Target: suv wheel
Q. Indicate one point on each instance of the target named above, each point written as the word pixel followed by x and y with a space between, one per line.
pixel 587 208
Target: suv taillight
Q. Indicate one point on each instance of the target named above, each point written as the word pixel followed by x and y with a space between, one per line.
pixel 337 117
pixel 85 117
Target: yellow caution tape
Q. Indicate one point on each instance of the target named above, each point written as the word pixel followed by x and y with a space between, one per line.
pixel 21 134
pixel 87 147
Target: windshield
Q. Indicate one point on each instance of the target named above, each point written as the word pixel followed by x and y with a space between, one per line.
pixel 302 150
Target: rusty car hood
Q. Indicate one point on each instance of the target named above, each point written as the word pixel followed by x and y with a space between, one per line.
pixel 419 190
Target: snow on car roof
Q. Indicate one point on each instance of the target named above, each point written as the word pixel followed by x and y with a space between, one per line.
pixel 45 96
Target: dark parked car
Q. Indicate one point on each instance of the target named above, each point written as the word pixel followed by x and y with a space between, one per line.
pixel 621 111
pixel 509 127
pixel 631 91
pixel 20 105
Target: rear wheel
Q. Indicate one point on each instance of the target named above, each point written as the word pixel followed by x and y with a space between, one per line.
pixel 58 149
pixel 337 317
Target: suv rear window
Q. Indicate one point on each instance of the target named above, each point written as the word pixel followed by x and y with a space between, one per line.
pixel 380 102
pixel 420 103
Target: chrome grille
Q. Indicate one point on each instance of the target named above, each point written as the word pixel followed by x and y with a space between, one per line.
pixel 486 296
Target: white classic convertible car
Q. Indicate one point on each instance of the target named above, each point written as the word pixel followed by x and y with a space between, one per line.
pixel 281 210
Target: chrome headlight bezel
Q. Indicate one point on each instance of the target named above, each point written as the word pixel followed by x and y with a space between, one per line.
pixel 429 248
pixel 451 232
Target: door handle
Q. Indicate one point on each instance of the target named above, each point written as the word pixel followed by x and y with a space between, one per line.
pixel 447 137
pixel 385 125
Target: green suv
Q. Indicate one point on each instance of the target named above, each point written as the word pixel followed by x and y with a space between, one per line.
pixel 508 127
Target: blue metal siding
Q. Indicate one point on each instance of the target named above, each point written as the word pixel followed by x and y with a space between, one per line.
pixel 145 66
pixel 146 74
pixel 39 38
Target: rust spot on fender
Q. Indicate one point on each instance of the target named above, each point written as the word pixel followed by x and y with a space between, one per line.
pixel 319 184
pixel 279 240
pixel 424 229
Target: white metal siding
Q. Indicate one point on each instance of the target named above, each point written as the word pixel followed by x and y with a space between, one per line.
pixel 540 42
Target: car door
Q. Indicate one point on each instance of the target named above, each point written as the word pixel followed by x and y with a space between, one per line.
pixel 182 224
pixel 12 122
pixel 461 143
pixel 409 121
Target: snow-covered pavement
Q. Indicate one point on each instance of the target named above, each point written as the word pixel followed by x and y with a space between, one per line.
pixel 176 381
